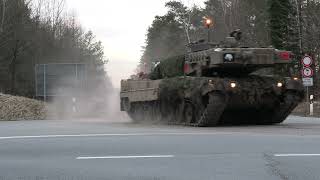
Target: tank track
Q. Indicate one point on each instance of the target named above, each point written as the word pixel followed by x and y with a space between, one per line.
pixel 291 101
pixel 209 116
pixel 145 112
pixel 211 113
pixel 280 112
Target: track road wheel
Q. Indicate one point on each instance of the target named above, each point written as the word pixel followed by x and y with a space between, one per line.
pixel 133 113
pixel 156 114
pixel 188 113
pixel 138 112
pixel 212 114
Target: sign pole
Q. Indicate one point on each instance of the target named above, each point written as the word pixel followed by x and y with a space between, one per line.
pixel 44 82
pixel 308 104
pixel 311 105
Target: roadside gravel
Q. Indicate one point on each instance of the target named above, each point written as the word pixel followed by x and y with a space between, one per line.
pixel 20 108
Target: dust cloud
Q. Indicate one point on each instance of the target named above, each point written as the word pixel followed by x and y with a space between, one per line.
pixel 96 101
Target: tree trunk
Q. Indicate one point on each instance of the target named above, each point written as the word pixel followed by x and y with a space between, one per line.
pixel 13 69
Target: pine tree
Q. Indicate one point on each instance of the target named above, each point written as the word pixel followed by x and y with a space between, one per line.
pixel 279 22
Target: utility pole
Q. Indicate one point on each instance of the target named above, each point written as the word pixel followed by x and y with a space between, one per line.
pixel 187 24
pixel 300 29
pixel 187 31
pixel 299 12
pixel 3 15
pixel 13 67
pixel 299 18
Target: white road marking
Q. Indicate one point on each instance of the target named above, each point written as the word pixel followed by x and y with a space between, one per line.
pixel 125 157
pixel 295 155
pixel 103 135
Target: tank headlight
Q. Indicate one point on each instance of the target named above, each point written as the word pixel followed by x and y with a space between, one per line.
pixel 228 57
pixel 279 84
pixel 210 81
pixel 233 85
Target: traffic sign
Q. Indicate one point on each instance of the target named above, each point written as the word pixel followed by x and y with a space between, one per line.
pixel 307 61
pixel 307 82
pixel 307 72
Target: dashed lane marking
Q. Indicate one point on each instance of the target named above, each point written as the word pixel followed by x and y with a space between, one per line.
pixel 124 157
pixel 295 155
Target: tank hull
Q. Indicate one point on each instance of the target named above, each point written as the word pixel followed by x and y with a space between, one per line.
pixel 206 101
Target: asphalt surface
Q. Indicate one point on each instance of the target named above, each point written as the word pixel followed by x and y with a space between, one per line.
pixel 98 149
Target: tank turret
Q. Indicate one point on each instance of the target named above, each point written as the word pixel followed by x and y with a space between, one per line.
pixel 229 58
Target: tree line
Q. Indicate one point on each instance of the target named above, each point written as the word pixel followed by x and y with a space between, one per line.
pixel 41 32
pixel 285 24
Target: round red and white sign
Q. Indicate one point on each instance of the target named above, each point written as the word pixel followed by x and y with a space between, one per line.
pixel 307 72
pixel 307 61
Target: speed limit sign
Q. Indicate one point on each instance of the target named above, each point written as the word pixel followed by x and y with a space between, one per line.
pixel 307 72
pixel 307 61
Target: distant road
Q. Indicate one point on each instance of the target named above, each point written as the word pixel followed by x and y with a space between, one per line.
pixel 96 149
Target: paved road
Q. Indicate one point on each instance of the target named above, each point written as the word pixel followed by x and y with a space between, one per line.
pixel 96 149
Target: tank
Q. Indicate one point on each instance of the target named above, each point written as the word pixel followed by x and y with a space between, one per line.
pixel 215 84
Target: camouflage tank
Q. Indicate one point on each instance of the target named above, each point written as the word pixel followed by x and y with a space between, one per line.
pixel 215 84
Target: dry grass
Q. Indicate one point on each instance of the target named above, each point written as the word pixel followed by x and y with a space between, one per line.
pixel 303 109
pixel 19 108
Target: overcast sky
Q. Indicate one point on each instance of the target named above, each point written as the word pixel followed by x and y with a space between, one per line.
pixel 121 25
